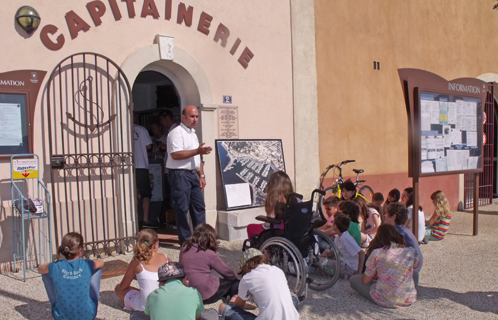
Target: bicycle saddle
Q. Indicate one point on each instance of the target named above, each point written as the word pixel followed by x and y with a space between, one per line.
pixel 358 171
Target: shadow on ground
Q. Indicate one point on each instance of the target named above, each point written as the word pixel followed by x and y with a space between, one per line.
pixel 478 301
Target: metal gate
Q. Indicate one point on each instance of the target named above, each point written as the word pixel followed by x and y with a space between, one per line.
pixel 89 131
pixel 486 176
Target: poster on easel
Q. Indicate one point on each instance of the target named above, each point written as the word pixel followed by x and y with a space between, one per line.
pixel 449 132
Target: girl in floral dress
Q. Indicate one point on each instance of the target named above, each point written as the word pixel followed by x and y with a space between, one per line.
pixel 391 263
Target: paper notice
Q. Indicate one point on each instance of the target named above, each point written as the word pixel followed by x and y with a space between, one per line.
pixel 456 136
pixel 471 138
pixel 431 147
pixel 457 159
pixel 439 147
pixel 441 165
pixel 443 112
pixel 238 194
pixel 423 148
pixel 447 135
pixel 425 121
pixel 10 124
pixel 461 122
pixel 472 162
pixel 452 112
pixel 427 167
pixel 434 107
pixel 471 123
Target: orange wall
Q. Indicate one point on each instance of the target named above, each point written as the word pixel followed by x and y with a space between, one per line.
pixel 361 110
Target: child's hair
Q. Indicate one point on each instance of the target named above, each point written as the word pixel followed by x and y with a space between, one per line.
pixel 350 209
pixel 398 209
pixel 441 203
pixel 394 193
pixel 205 237
pixel 279 188
pixel 71 245
pixel 362 205
pixel 378 197
pixel 342 222
pixel 331 201
pixel 409 192
pixel 348 185
pixel 386 234
pixel 251 264
pixel 145 241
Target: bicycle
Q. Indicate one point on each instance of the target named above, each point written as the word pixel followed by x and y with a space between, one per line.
pixel 365 191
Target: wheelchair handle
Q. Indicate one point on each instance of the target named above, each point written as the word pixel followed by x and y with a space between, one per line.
pixel 294 195
pixel 317 191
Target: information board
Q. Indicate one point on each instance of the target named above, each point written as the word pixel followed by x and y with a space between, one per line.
pixel 13 124
pixel 449 132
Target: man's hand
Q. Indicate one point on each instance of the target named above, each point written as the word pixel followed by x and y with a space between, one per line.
pixel 202 182
pixel 204 150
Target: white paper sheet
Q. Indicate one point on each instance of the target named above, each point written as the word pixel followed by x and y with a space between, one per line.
pixel 472 162
pixel 425 121
pixel 471 123
pixel 439 147
pixel 461 122
pixel 457 159
pixel 238 194
pixel 434 106
pixel 443 112
pixel 447 135
pixel 431 147
pixel 471 139
pixel 10 124
pixel 423 148
pixel 441 165
pixel 427 167
pixel 452 113
pixel 456 136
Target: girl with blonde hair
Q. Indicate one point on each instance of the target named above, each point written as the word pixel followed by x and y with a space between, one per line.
pixel 437 226
pixel 142 268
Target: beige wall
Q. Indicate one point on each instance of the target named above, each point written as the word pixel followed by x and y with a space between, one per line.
pixel 263 91
pixel 361 110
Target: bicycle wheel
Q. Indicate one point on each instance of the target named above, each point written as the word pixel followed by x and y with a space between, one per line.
pixel 284 254
pixel 366 192
pixel 330 191
pixel 323 272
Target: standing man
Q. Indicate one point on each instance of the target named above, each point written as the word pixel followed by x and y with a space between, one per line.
pixel 142 144
pixel 167 121
pixel 186 174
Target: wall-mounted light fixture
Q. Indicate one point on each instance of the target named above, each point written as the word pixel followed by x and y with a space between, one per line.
pixel 28 18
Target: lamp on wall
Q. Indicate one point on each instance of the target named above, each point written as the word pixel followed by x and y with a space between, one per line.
pixel 28 18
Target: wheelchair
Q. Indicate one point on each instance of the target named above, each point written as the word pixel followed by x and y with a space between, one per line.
pixel 297 248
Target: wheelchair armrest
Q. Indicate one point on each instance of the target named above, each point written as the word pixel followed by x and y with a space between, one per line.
pixel 269 220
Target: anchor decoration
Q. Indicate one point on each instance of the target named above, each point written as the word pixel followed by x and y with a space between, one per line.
pixel 85 91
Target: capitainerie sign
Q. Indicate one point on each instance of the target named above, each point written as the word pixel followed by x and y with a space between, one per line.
pixel 97 9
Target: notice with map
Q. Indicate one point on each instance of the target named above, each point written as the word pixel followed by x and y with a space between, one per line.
pixel 246 166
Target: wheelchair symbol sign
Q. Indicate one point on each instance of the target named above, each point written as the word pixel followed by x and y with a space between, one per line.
pixel 227 99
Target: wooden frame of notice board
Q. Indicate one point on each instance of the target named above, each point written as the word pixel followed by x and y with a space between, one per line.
pixel 447 133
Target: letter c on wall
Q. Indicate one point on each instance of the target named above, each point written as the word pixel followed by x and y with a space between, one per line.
pixel 51 29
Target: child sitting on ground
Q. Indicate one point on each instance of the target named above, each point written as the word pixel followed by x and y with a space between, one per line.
pixel 352 257
pixel 439 223
pixel 369 221
pixel 330 206
pixel 143 268
pixel 198 257
pixel 268 288
pixel 377 201
pixel 392 197
pixel 72 284
pixel 407 200
pixel 173 299
pixel 353 212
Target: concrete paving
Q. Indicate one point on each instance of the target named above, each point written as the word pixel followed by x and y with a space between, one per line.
pixel 458 281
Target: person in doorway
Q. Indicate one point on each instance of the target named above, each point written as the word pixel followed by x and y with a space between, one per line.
pixel 143 142
pixel 167 121
pixel 159 139
pixel 186 173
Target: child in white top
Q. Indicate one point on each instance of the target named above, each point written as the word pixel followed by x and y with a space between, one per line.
pixel 407 200
pixel 352 257
pixel 142 268
pixel 370 221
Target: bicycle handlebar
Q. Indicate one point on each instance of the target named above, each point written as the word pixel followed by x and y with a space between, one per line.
pixel 347 161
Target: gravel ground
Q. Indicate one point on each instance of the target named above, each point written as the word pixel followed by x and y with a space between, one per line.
pixel 458 281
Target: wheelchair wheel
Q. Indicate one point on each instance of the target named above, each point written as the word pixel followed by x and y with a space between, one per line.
pixel 367 193
pixel 284 254
pixel 323 272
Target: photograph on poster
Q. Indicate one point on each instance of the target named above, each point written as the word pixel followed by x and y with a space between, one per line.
pixel 449 127
pixel 246 166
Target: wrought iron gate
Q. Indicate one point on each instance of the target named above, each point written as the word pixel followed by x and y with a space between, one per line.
pixel 486 176
pixel 89 131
